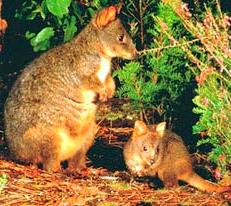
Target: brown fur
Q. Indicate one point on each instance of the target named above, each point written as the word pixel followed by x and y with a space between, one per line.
pixel 155 151
pixel 50 111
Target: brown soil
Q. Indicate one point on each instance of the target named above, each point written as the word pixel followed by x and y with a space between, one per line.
pixel 26 185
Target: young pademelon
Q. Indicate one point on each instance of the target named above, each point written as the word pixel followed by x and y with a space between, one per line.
pixel 153 150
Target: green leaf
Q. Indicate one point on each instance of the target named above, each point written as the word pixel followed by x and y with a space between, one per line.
pixel 42 46
pixel 203 141
pixel 44 34
pixel 104 2
pixel 58 7
pixel 70 29
pixel 44 10
pixel 41 41
pixel 91 11
pixel 32 15
pixel 97 3
pixel 29 35
pixel 198 128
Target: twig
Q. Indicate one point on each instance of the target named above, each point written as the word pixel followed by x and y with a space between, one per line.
pixel 141 22
pixel 119 130
pixel 144 52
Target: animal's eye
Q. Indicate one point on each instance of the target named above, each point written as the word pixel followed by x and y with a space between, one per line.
pixel 121 38
pixel 157 149
pixel 145 148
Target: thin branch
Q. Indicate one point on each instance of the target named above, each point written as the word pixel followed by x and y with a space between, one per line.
pixel 134 6
pixel 144 52
pixel 141 22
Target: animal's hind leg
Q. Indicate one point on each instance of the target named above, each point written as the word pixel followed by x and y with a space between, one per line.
pixel 170 179
pixel 78 162
pixel 51 164
pixel 50 153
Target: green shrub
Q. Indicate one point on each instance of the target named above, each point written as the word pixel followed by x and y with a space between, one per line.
pixel 180 46
pixel 213 104
pixel 56 20
pixel 160 78
pixel 211 58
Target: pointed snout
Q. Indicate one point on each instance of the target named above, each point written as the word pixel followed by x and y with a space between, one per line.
pixel 152 161
pixel 133 53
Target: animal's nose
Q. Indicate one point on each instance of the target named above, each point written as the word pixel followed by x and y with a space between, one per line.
pixel 152 161
pixel 135 53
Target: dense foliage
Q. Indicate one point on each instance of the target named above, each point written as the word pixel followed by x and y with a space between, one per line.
pixel 210 58
pixel 161 76
pixel 58 21
pixel 213 94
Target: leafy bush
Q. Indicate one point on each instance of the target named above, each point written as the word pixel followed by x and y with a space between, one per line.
pixel 213 104
pixel 160 78
pixel 214 87
pixel 212 64
pixel 179 47
pixel 56 20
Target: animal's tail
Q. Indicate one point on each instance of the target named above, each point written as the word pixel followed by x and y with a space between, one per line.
pixel 196 181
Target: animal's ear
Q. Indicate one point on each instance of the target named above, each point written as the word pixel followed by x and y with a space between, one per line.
pixel 140 128
pixel 103 17
pixel 160 128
